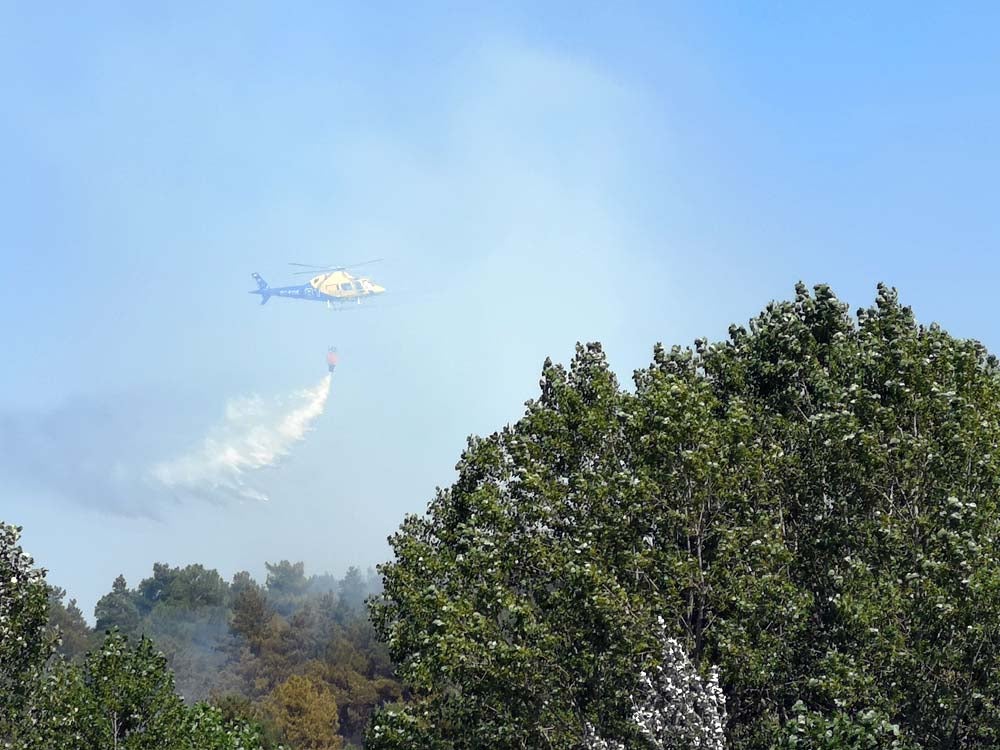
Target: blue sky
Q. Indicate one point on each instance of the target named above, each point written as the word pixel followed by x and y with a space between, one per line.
pixel 533 176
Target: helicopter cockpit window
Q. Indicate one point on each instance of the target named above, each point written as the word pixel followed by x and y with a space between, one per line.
pixel 357 287
pixel 346 286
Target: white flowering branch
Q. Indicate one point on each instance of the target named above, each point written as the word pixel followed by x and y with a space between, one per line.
pixel 674 706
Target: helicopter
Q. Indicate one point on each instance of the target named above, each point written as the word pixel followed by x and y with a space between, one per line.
pixel 334 285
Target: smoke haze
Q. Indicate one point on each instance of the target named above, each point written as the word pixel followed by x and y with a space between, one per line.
pixel 537 176
pixel 114 456
pixel 256 434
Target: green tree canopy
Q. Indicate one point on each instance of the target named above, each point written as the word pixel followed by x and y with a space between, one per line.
pixel 211 639
pixel 305 712
pixel 25 640
pixel 811 505
pixel 67 624
pixel 287 585
pixel 353 589
pixel 117 609
pixel 123 697
pixel 191 587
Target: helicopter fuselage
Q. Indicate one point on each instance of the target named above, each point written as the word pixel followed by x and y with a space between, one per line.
pixel 337 287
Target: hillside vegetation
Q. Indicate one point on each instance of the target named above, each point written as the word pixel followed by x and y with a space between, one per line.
pixel 809 506
pixel 788 539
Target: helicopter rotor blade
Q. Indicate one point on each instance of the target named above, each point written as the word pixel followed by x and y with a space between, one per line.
pixel 337 268
pixel 320 270
pixel 363 263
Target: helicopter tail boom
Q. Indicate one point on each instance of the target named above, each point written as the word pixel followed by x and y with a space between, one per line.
pixel 262 289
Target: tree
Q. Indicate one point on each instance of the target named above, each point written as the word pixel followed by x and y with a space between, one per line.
pixel 192 587
pixel 208 729
pixel 242 580
pixel 251 614
pixel 122 697
pixel 675 707
pixel 238 710
pixel 126 692
pixel 352 589
pixel 811 505
pixel 25 642
pixel 241 649
pixel 503 610
pixel 286 585
pixel 184 610
pixel 306 714
pixel 117 610
pixel 66 623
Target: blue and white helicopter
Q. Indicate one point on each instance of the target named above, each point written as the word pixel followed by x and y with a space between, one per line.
pixel 331 284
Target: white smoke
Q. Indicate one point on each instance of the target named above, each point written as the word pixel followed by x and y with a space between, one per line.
pixel 255 434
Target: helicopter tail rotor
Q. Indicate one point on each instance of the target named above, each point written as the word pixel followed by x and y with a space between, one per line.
pixel 262 289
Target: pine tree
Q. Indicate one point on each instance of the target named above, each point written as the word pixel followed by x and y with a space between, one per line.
pixel 306 714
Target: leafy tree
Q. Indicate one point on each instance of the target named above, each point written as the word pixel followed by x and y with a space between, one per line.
pixel 353 589
pixel 122 697
pixel 192 587
pixel 251 614
pixel 674 706
pixel 286 585
pixel 117 609
pixel 238 710
pixel 306 714
pixel 67 624
pixel 225 641
pixel 841 730
pixel 811 505
pixel 118 697
pixel 502 609
pixel 209 729
pixel 115 696
pixel 25 642
pixel 241 581
pixel 185 611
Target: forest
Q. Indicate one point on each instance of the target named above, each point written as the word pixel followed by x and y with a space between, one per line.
pixel 247 648
pixel 786 539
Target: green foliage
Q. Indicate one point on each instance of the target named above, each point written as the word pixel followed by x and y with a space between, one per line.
pixel 236 643
pixel 184 610
pixel 503 609
pixel 117 610
pixel 123 697
pixel 192 587
pixel 867 730
pixel 811 505
pixel 25 641
pixel 120 697
pixel 286 586
pixel 353 589
pixel 251 614
pixel 305 712
pixel 312 676
pixel 67 625
pixel 209 729
pixel 238 710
